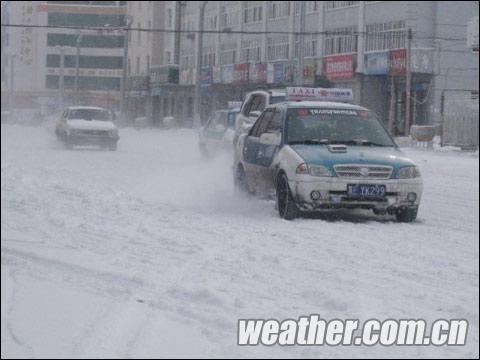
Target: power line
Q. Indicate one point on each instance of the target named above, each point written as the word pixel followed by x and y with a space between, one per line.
pixel 392 34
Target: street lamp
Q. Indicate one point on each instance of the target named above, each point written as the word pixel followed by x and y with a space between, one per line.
pixel 196 109
pixel 128 23
pixel 77 65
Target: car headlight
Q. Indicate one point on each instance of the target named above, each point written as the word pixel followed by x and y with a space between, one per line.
pixel 409 172
pixel 314 170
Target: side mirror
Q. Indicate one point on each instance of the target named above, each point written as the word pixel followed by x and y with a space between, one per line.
pixel 254 114
pixel 270 139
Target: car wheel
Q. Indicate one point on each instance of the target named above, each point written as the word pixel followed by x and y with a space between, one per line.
pixel 407 215
pixel 287 209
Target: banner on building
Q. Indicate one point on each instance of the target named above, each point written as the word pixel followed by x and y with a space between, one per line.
pixel 376 63
pixel 227 74
pixel 422 60
pixel 240 73
pixel 258 73
pixel 206 76
pixel 309 72
pixel 398 62
pixel 338 67
pixel 216 75
pixel 275 73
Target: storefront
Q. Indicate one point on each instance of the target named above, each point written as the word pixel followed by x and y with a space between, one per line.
pixel 163 83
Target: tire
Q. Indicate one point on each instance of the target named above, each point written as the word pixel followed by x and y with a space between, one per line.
pixel 240 180
pixel 406 216
pixel 287 209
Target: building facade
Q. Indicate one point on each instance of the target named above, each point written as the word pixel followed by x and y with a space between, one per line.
pixel 36 52
pixel 361 45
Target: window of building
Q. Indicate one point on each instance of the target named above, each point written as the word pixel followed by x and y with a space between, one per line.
pixel 250 50
pixel 169 18
pixel 340 41
pixel 93 20
pixel 84 82
pixel 339 4
pixel 88 41
pixel 384 36
pixel 228 17
pixel 86 62
pixel 310 47
pixel 228 53
pixel 139 34
pixel 252 14
pixel 277 47
pixel 313 6
pixel 278 9
pixel 137 67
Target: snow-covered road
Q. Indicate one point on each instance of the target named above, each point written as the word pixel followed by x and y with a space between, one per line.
pixel 148 251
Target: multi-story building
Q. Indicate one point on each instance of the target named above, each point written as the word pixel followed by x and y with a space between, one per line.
pixel 99 54
pixel 356 44
pixel 152 66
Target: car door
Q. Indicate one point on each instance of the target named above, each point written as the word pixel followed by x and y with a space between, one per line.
pixel 251 145
pixel 266 152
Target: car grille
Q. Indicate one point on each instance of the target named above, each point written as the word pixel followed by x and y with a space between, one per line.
pixel 95 132
pixel 361 171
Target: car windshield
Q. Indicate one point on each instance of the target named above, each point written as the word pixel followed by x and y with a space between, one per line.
pixel 335 126
pixel 89 114
pixel 277 99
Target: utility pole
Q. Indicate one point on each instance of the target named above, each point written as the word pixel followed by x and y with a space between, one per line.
pixel 128 23
pixel 408 82
pixel 301 43
pixel 61 86
pixel 198 94
pixel 77 66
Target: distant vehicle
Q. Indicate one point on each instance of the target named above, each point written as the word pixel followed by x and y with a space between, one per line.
pixel 324 155
pixel 253 105
pixel 85 125
pixel 218 133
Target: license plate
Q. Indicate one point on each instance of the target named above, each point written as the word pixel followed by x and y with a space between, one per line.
pixel 367 191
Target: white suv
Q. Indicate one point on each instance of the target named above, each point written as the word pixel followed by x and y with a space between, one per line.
pixel 253 105
pixel 85 125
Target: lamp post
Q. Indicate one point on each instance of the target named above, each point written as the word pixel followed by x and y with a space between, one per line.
pixel 77 65
pixel 128 23
pixel 196 108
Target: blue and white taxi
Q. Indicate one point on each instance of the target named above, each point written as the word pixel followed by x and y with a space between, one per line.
pixel 318 151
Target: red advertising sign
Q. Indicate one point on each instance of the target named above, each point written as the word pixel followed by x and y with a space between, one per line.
pixel 338 67
pixel 398 62
pixel 240 73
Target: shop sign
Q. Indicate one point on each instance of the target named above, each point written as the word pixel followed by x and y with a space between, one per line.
pixel 338 67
